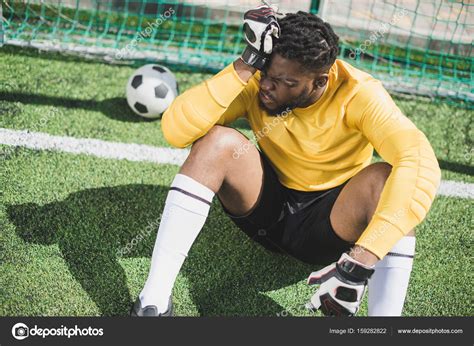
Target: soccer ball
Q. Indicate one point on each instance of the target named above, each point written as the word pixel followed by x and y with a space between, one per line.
pixel 150 90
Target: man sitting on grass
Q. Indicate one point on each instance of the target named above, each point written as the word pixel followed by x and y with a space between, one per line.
pixel 309 190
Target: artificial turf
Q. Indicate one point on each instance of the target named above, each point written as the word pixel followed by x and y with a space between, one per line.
pixel 64 217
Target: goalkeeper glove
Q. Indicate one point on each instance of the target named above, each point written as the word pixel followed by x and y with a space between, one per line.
pixel 260 27
pixel 342 287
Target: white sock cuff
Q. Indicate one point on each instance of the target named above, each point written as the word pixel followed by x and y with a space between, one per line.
pixel 187 183
pixel 405 246
pixel 186 193
pixel 401 255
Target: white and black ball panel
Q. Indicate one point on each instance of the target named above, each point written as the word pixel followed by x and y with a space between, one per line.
pixel 161 91
pixel 150 90
pixel 168 77
pixel 140 108
pixel 159 68
pixel 137 81
pixel 164 73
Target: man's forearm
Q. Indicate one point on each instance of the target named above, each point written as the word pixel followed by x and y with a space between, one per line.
pixel 244 71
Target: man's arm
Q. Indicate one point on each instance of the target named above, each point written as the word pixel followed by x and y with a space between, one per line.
pixel 216 100
pixel 220 100
pixel 411 187
pixel 403 204
pixel 244 71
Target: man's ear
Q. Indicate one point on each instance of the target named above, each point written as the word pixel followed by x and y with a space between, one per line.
pixel 321 80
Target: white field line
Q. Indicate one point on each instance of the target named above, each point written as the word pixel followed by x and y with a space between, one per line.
pixel 93 147
pixel 146 153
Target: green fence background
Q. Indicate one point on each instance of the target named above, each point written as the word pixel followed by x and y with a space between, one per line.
pixel 418 47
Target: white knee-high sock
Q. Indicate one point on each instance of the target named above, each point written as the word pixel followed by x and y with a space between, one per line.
pixel 389 283
pixel 186 208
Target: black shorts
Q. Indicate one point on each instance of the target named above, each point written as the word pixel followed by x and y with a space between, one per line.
pixel 293 222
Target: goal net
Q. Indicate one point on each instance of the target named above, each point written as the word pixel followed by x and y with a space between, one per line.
pixel 420 47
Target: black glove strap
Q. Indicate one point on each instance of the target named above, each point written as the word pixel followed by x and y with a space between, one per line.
pixel 252 57
pixel 354 272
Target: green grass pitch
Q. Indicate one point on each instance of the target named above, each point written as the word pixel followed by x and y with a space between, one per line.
pixel 63 217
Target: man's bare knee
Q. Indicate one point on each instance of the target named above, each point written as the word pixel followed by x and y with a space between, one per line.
pixel 212 156
pixel 222 141
pixel 236 160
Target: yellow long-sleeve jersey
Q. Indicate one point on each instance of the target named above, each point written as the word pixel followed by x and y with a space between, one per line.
pixel 323 145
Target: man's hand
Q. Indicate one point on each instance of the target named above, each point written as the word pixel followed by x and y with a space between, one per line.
pixel 260 27
pixel 342 287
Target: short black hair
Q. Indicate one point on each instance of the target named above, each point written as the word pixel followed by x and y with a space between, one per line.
pixel 307 39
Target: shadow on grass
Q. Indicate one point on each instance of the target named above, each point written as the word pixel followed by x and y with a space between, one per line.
pixel 456 167
pixel 72 57
pixel 114 108
pixel 225 270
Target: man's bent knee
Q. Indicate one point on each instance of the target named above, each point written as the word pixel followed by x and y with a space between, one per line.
pixel 221 139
